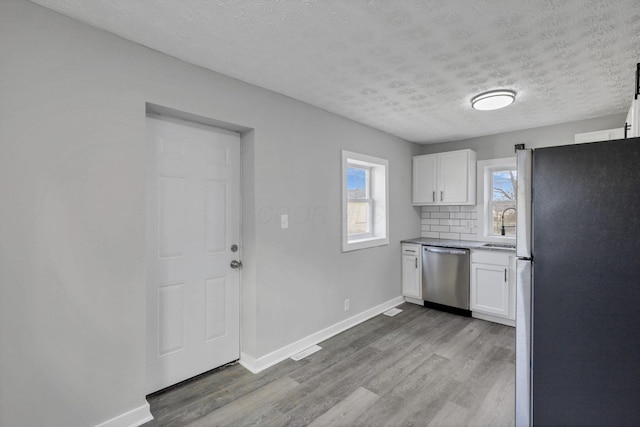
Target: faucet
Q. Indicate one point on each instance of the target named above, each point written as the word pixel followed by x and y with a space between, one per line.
pixel 502 231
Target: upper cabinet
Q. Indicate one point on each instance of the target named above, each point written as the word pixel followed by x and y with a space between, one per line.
pixel 445 178
pixel 600 135
pixel 425 177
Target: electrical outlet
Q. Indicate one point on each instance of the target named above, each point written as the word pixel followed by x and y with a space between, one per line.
pixel 346 304
pixel 284 221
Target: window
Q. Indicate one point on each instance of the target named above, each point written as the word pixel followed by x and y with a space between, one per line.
pixel 498 186
pixel 503 202
pixel 359 202
pixel 365 209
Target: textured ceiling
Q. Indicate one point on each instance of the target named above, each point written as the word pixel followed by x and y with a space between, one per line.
pixel 406 67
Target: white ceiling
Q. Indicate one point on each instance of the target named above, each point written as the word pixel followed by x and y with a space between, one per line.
pixel 407 67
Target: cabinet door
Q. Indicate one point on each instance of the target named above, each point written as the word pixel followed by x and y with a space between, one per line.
pixel 453 177
pixel 490 289
pixel 425 175
pixel 411 286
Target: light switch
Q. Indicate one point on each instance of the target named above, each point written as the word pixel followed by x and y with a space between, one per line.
pixel 284 221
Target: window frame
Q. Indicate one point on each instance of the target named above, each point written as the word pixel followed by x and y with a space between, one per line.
pixel 485 198
pixel 379 196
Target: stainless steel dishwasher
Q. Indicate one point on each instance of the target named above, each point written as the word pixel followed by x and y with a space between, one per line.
pixel 445 276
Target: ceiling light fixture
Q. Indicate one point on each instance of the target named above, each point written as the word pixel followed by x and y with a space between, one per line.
pixel 493 100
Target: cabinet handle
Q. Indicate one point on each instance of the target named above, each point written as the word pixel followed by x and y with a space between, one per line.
pixel 434 196
pixel 416 262
pixel 505 275
pixel 441 195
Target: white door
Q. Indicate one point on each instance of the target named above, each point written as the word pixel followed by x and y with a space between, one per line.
pixel 194 219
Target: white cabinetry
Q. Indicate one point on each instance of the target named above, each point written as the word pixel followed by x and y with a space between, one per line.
pixel 493 294
pixel 425 177
pixel 412 272
pixel 600 135
pixel 445 178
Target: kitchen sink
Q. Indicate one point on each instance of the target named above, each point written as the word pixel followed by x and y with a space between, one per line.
pixel 499 245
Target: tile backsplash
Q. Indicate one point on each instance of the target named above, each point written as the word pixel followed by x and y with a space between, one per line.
pixel 450 222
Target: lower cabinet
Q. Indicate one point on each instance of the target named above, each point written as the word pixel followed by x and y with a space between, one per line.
pixel 412 272
pixel 493 294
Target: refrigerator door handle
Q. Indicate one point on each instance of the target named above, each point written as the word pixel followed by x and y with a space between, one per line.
pixel 523 203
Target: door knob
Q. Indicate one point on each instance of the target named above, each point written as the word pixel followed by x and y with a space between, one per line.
pixel 236 264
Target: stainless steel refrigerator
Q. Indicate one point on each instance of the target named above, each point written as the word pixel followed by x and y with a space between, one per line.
pixel 578 285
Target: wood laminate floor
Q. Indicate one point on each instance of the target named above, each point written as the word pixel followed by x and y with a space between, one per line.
pixel 422 367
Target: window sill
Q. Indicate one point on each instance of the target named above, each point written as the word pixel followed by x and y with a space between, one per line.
pixel 364 243
pixel 497 239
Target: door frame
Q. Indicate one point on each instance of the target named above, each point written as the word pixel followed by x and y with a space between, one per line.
pixel 243 133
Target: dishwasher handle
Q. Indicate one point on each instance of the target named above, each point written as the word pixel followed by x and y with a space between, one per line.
pixel 448 251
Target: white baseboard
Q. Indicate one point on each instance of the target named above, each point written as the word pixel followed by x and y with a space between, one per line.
pixel 495 319
pixel 249 362
pixel 414 301
pixel 133 418
pixel 256 365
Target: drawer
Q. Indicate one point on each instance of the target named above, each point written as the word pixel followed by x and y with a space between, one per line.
pixel 411 249
pixel 490 257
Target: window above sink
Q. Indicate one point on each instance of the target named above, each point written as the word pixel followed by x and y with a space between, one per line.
pixel 497 201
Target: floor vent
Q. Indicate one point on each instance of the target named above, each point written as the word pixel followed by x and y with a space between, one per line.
pixel 392 312
pixel 305 353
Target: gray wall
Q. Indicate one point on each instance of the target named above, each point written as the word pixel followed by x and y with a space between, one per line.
pixel 72 185
pixel 501 145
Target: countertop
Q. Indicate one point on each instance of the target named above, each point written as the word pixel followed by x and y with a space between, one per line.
pixel 460 244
